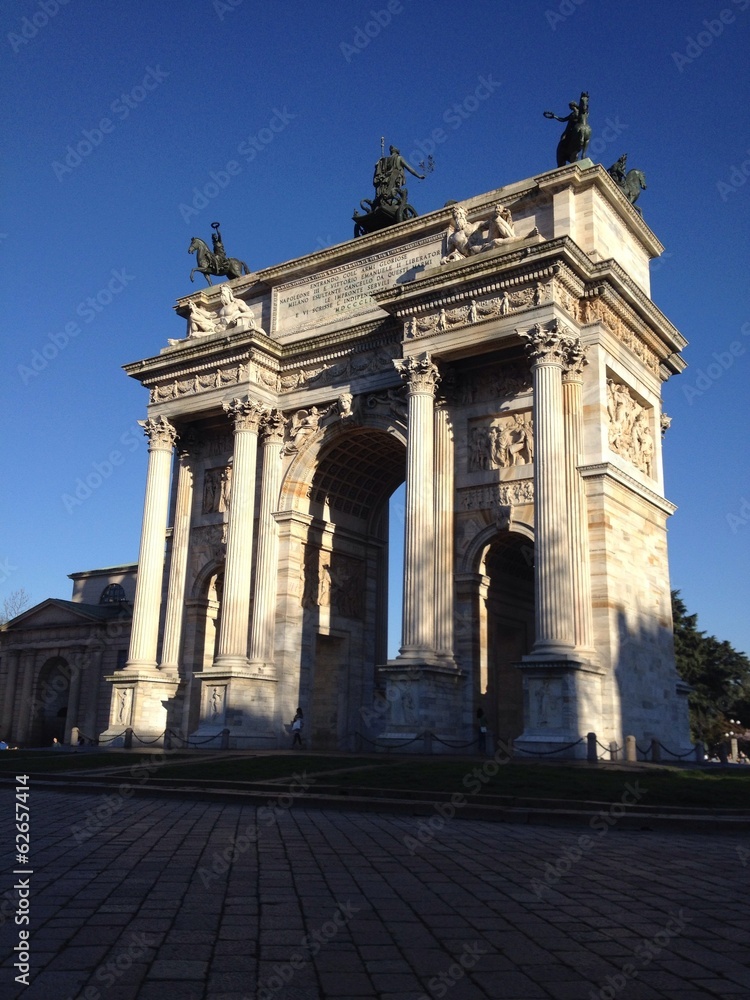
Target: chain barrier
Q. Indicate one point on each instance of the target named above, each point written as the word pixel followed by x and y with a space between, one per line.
pixel 679 756
pixel 455 746
pixel 100 741
pixel 614 749
pixel 192 743
pixel 546 753
pixel 149 743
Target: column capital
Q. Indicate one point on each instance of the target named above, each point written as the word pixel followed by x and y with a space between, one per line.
pixel 160 433
pixel 574 358
pixel 272 426
pixel 245 413
pixel 420 374
pixel 545 345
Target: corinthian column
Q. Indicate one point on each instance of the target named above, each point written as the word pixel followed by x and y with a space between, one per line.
pixel 235 606
pixel 578 534
pixel 443 479
pixel 175 611
pixel 552 574
pixel 266 572
pixel 418 631
pixel 145 632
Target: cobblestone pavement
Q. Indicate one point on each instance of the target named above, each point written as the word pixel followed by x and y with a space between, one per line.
pixel 133 898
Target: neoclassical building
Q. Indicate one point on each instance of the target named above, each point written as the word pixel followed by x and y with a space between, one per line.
pixel 54 659
pixel 504 359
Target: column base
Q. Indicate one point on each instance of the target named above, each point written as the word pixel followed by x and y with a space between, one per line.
pixel 242 700
pixel 143 699
pixel 424 706
pixel 562 702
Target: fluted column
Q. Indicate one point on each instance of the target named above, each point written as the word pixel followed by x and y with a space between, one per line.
pixel 25 714
pixel 443 478
pixel 578 534
pixel 266 572
pixel 175 611
pixel 552 576
pixel 72 716
pixel 145 633
pixel 235 608
pixel 9 695
pixel 418 630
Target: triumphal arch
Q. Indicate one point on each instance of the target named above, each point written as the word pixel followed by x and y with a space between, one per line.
pixel 503 357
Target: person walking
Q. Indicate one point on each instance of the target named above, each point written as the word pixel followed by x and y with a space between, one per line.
pixel 297 724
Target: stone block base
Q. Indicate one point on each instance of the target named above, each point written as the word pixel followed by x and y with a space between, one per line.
pixel 142 700
pixel 424 709
pixel 238 700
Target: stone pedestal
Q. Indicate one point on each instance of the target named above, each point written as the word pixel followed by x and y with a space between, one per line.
pixel 421 713
pixel 141 701
pixel 562 703
pixel 240 701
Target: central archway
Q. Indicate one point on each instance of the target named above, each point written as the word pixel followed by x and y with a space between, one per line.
pixel 352 473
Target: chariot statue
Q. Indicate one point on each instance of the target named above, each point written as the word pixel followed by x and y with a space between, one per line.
pixel 215 261
pixel 391 202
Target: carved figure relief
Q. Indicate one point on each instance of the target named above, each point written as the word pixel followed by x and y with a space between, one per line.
pixel 216 704
pixel 475 311
pixel 493 383
pixel 546 703
pixel 207 547
pixel 217 484
pixel 333 580
pixel 630 434
pixel 464 239
pixel 391 402
pixel 124 706
pixel 497 495
pixel 235 314
pixel 230 375
pixel 501 443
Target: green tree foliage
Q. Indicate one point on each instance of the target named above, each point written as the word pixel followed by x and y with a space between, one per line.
pixel 718 674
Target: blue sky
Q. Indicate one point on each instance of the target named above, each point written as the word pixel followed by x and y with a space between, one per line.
pixel 131 127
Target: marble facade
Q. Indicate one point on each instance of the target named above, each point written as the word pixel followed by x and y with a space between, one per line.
pixel 513 381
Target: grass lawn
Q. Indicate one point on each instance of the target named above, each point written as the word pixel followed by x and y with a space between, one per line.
pixel 657 786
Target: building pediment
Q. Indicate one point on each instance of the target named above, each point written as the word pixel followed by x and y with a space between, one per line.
pixel 54 613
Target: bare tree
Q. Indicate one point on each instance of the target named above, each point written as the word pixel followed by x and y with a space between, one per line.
pixel 16 602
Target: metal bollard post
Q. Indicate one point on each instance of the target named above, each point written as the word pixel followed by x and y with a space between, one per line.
pixel 700 753
pixel 75 735
pixel 591 748
pixel 128 739
pixel 427 741
pixel 655 751
pixel 631 750
pixel 168 740
pixel 734 755
pixel 225 739
pixel 613 749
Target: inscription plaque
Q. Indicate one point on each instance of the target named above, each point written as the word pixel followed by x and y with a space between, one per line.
pixel 345 292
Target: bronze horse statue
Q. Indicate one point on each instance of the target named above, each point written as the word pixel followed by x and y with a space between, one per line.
pixel 208 263
pixel 575 139
pixel 631 187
